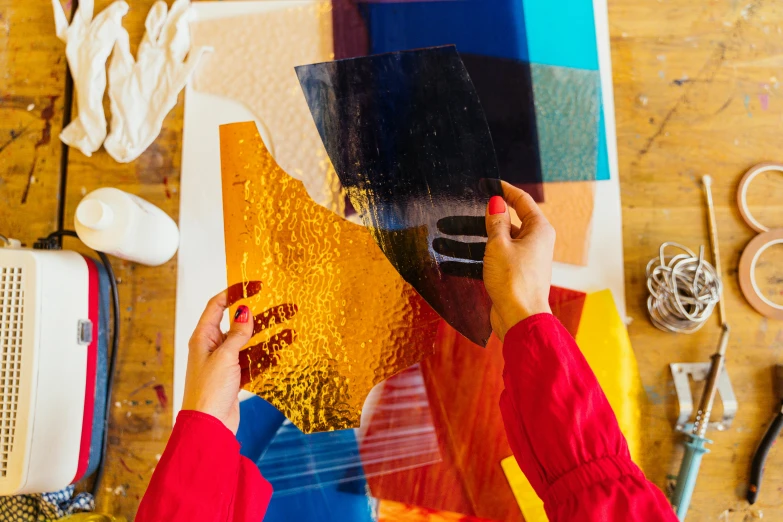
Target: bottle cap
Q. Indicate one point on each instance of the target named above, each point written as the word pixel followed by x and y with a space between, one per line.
pixel 94 214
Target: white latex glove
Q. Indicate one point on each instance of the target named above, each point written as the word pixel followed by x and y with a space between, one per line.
pixel 143 92
pixel 88 44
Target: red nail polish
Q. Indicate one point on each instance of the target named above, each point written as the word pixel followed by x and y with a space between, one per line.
pixel 242 314
pixel 496 205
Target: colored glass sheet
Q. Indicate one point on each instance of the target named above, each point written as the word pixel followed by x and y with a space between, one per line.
pixel 490 37
pixel 295 462
pixel 328 503
pixel 408 139
pixel 323 502
pixel 400 433
pixel 402 436
pixel 469 480
pixel 521 33
pixel 568 306
pixel 389 511
pixel 505 88
pixel 336 319
pixel 488 28
pixel 563 34
pixel 252 61
pixel 568 207
pixel 532 507
pixel 604 341
pixel 568 105
pixel 258 424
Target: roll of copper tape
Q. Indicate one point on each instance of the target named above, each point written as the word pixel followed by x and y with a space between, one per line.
pixel 742 193
pixel 747 273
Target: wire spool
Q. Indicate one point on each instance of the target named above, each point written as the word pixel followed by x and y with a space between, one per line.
pixel 684 290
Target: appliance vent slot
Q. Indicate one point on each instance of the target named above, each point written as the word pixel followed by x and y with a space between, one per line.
pixel 11 321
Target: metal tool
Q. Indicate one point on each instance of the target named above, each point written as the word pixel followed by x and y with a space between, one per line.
pixel 695 448
pixel 682 373
pixel 770 437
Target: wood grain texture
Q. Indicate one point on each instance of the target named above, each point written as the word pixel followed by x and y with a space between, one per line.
pixel 696 91
pixel 32 75
pixel 140 415
pixel 140 421
pixel 32 72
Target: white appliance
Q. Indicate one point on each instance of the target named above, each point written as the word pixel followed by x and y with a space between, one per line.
pixel 53 347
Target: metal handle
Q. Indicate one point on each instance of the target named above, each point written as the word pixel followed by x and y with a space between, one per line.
pixel 689 470
pixel 711 386
pixel 760 457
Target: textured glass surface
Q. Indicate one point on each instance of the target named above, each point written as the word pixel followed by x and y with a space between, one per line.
pixel 252 61
pixel 401 435
pixel 568 109
pixel 410 144
pixel 339 319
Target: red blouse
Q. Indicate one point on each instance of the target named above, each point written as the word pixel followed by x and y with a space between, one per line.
pixel 201 477
pixel 559 424
pixel 565 435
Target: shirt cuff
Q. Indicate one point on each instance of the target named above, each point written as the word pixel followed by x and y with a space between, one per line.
pixel 207 426
pixel 525 327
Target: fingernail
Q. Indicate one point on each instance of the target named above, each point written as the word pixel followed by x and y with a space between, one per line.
pixel 242 314
pixel 496 205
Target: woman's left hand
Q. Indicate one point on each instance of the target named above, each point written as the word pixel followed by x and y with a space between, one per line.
pixel 213 374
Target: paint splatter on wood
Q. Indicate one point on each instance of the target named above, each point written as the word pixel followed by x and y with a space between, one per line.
pixel 46 137
pixel 163 399
pixel 124 465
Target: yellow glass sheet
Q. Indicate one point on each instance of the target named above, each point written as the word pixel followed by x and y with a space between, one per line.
pixel 357 323
pixel 604 341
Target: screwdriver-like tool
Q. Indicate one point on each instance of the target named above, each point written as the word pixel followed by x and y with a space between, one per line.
pixel 770 437
pixel 696 447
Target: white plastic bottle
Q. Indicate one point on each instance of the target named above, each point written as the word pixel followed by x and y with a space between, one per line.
pixel 126 226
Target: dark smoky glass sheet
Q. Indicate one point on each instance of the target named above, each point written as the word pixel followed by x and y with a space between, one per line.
pixel 409 141
pixel 505 89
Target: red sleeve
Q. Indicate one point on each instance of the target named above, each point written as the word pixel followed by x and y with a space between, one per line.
pixel 201 477
pixel 565 435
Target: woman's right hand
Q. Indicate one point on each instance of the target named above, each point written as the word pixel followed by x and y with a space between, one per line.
pixel 517 260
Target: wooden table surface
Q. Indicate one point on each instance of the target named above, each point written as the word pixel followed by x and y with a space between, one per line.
pixel 696 91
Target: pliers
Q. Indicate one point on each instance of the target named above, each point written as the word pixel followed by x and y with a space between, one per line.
pixel 770 437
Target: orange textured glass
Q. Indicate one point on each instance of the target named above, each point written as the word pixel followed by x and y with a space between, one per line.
pixel 353 320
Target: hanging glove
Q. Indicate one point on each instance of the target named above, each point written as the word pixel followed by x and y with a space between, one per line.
pixel 142 92
pixel 88 44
